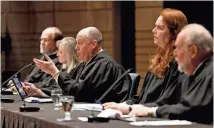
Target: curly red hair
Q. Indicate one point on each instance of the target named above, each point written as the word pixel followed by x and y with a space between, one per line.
pixel 175 20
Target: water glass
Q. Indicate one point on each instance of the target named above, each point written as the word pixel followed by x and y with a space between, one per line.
pixel 67 103
pixel 55 95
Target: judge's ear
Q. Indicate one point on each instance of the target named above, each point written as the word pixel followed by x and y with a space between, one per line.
pixel 194 50
pixel 94 43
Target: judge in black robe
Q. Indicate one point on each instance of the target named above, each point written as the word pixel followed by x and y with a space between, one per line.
pixel 196 101
pixel 160 82
pixel 90 80
pixel 194 55
pixel 95 75
pixel 158 91
pixel 48 45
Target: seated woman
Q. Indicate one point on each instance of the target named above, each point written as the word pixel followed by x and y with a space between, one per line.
pixel 160 81
pixel 69 59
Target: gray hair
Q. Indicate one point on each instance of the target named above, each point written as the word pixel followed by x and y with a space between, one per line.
pixel 69 44
pixel 92 33
pixel 200 36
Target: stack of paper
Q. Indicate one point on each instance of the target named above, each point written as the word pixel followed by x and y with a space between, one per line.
pixel 110 113
pixel 38 100
pixel 161 123
pixel 88 107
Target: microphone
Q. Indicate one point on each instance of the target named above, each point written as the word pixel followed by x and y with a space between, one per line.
pixel 112 86
pixel 17 73
pixel 8 100
pixel 11 82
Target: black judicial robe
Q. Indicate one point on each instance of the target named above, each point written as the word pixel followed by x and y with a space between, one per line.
pixel 196 101
pixel 90 80
pixel 40 78
pixel 158 91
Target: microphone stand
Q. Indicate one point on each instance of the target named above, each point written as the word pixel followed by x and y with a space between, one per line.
pixel 9 92
pixel 17 73
pixel 112 86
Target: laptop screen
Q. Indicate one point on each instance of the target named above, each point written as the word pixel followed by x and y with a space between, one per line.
pixel 19 87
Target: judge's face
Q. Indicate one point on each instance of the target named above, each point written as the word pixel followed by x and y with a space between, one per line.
pixel 62 54
pixel 182 54
pixel 84 48
pixel 47 43
pixel 161 33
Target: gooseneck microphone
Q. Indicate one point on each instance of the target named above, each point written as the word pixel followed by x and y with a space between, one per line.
pixel 26 83
pixel 11 82
pixel 8 100
pixel 113 85
pixel 17 73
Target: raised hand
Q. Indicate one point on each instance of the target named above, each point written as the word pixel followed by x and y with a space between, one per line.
pixel 46 66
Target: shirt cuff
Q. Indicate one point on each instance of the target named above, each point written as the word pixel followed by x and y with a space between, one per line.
pixel 154 109
pixel 44 95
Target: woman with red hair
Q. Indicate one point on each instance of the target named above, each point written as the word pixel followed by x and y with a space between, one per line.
pixel 160 81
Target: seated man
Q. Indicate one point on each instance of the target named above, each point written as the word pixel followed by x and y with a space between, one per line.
pixel 40 79
pixel 94 75
pixel 194 55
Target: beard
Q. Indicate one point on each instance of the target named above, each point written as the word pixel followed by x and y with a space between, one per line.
pixel 183 68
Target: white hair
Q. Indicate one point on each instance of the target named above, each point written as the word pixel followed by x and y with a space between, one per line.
pixel 198 35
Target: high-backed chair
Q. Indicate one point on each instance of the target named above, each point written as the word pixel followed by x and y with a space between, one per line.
pixel 135 82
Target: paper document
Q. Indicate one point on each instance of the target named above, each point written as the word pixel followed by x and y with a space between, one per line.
pixel 38 100
pixel 110 113
pixel 88 107
pixel 116 114
pixel 161 123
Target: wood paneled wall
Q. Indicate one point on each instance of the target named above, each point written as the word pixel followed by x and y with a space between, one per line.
pixel 27 19
pixel 146 14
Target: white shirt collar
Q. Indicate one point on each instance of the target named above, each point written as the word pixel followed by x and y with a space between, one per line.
pixel 94 55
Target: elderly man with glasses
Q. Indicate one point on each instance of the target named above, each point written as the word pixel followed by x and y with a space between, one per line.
pixel 48 45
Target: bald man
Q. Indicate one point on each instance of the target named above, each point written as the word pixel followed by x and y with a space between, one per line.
pixel 94 75
pixel 48 40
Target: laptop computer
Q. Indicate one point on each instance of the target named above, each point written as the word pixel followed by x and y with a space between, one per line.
pixel 23 93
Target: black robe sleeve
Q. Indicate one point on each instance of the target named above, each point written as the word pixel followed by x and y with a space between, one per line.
pixel 196 103
pixel 158 91
pixel 90 83
pixel 169 87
